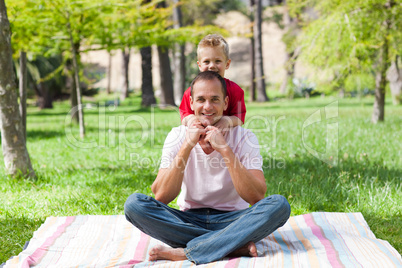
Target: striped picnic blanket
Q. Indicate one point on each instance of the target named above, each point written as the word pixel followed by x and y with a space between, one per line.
pixel 318 239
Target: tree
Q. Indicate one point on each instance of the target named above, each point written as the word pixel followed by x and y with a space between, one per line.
pixel 109 74
pixel 252 51
pixel 126 61
pixel 394 76
pixel 60 26
pixel 23 92
pixel 259 68
pixel 148 97
pixel 167 97
pixel 179 72
pixel 291 27
pixel 15 153
pixel 352 37
pixel 165 71
pixel 32 71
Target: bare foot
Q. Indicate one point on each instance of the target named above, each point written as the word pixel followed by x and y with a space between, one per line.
pixel 160 252
pixel 248 250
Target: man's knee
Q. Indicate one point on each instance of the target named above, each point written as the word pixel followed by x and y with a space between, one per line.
pixel 284 206
pixel 281 204
pixel 136 204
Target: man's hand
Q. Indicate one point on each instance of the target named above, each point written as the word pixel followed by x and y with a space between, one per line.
pixel 195 132
pixel 215 137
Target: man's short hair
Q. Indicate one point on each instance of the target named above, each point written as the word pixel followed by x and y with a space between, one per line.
pixel 214 40
pixel 208 76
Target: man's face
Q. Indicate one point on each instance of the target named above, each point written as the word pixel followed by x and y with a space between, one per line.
pixel 208 102
pixel 213 59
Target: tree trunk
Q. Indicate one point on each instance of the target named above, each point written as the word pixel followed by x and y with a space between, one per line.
pixel 148 97
pixel 166 76
pixel 77 84
pixel 179 73
pixel 15 154
pixel 23 92
pixel 259 69
pixel 45 99
pixel 292 29
pixel 380 83
pixel 73 96
pixel 109 74
pixel 126 62
pixel 179 59
pixel 252 52
pixel 252 76
pixel 380 80
pixel 289 72
pixel 394 76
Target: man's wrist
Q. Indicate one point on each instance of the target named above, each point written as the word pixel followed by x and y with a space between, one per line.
pixel 226 151
pixel 188 145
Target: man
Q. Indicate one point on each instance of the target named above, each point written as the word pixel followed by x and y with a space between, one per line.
pixel 218 177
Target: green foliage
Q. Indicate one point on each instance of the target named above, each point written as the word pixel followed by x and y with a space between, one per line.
pixel 347 35
pixel 74 180
pixel 359 83
pixel 203 12
pixel 274 16
pixel 40 26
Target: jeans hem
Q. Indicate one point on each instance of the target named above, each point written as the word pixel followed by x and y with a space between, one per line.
pixel 188 255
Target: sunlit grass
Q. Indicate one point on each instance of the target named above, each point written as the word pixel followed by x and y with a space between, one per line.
pixel 123 146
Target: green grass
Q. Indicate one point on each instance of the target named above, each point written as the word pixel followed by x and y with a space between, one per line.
pixel 123 147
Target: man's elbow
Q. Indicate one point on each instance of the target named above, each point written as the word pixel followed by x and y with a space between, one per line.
pixel 256 199
pixel 163 197
pixel 258 195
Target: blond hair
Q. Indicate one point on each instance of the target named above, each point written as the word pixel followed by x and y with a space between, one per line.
pixel 214 40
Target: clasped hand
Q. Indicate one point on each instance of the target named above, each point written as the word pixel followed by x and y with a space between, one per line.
pixel 212 135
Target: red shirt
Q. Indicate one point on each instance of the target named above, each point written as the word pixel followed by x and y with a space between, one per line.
pixel 236 104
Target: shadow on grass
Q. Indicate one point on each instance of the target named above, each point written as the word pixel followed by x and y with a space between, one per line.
pixel 43 134
pixel 122 176
pixel 388 229
pixel 312 105
pixel 370 188
pixel 15 233
pixel 47 113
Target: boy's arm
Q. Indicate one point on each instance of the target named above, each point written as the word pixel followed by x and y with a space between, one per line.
pixel 185 108
pixel 186 120
pixel 228 121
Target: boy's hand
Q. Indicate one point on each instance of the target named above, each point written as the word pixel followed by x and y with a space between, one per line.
pixel 227 122
pixel 187 120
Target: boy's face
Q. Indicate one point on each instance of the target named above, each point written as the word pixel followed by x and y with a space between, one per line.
pixel 213 59
pixel 208 102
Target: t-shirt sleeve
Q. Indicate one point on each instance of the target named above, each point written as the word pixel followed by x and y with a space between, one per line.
pixel 185 108
pixel 250 156
pixel 236 107
pixel 172 146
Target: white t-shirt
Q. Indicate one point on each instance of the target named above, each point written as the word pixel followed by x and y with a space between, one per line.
pixel 207 182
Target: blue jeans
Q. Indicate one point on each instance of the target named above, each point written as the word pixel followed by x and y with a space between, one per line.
pixel 206 234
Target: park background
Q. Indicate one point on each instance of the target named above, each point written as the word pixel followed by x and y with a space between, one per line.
pixel 315 126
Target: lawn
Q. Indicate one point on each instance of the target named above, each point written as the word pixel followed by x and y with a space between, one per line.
pixel 323 154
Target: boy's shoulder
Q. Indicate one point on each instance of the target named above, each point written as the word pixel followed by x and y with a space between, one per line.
pixel 232 86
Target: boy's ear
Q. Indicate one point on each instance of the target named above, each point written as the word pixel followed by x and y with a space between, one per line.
pixel 191 103
pixel 228 63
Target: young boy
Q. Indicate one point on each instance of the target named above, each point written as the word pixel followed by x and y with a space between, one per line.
pixel 213 55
